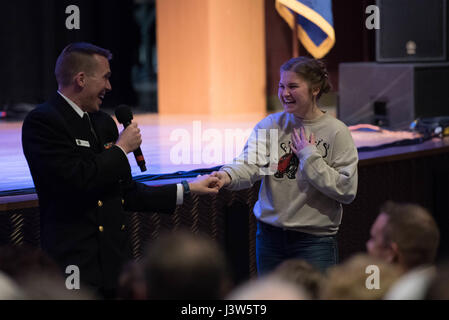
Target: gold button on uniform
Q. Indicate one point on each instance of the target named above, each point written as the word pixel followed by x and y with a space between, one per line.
pixel 100 203
pixel 123 201
pixel 100 228
pixel 123 227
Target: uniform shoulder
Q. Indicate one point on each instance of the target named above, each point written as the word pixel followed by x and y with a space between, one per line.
pixel 44 111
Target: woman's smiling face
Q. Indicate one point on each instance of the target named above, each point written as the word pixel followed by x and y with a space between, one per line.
pixel 295 93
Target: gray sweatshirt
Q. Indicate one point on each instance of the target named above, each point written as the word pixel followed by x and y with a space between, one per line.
pixel 302 194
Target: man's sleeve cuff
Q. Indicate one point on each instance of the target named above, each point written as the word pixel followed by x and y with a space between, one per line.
pixel 179 194
pixel 122 150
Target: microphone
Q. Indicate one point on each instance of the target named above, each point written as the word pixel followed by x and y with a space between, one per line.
pixel 124 115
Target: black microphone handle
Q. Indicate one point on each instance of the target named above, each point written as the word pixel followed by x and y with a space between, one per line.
pixel 140 159
pixel 138 154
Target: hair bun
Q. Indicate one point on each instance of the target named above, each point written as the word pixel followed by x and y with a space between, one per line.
pixel 312 70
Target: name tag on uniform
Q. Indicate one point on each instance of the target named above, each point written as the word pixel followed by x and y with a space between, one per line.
pixel 82 143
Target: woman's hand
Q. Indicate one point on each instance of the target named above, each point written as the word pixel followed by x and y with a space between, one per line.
pixel 300 140
pixel 224 178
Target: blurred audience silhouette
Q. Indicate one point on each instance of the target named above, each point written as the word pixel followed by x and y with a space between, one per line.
pixel 407 235
pixel 302 273
pixel 182 265
pixel 351 279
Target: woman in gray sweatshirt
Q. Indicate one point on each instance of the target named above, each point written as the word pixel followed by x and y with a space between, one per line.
pixel 308 168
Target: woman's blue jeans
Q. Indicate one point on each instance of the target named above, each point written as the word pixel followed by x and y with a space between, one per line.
pixel 275 245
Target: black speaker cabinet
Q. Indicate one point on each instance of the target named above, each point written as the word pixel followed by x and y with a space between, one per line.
pixel 411 31
pixel 392 95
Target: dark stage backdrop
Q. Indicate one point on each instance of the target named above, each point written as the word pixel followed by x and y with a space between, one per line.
pixel 33 33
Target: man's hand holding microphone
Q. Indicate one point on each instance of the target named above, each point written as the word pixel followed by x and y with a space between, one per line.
pixel 130 138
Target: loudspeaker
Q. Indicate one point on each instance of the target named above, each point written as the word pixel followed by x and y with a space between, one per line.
pixel 392 95
pixel 411 31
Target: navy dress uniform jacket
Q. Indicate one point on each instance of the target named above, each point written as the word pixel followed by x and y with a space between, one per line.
pixel 84 190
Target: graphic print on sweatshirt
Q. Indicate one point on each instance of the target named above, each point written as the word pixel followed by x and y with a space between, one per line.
pixel 323 147
pixel 289 162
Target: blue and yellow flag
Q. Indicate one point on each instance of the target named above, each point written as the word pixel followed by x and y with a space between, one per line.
pixel 314 22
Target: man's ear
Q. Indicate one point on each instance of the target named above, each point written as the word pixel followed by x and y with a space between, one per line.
pixel 80 79
pixel 395 254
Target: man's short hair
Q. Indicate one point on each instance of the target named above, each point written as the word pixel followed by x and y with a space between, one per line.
pixel 182 265
pixel 303 274
pixel 77 57
pixel 414 231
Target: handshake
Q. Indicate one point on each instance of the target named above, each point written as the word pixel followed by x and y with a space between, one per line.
pixel 210 183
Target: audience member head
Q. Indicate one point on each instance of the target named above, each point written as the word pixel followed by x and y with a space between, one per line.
pixel 181 265
pixel 302 273
pixel 50 287
pixel 37 275
pixel 9 290
pixel 355 279
pixel 21 262
pixel 131 283
pixel 271 287
pixel 405 234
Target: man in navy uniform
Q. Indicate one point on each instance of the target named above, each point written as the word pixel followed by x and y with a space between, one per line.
pixel 82 175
